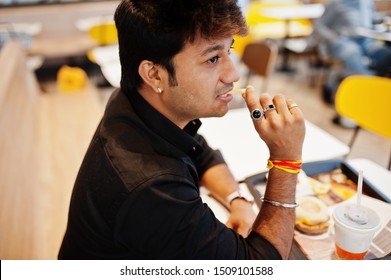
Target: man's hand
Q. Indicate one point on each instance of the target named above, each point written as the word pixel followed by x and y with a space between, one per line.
pixel 242 217
pixel 281 128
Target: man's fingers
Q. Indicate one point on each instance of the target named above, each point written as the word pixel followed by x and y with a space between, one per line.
pixel 251 98
pixel 268 106
pixel 294 108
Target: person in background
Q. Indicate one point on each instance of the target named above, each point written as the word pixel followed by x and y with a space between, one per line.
pixel 336 32
pixel 136 195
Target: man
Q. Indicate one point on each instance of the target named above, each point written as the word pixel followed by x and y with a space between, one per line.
pixel 337 32
pixel 137 192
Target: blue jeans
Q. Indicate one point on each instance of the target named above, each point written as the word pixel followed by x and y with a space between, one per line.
pixel 360 56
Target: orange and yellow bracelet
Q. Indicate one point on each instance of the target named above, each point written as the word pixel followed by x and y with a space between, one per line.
pixel 290 166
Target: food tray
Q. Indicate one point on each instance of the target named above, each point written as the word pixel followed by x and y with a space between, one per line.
pixel 314 168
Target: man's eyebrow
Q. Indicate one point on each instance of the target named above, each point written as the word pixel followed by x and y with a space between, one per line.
pixel 214 48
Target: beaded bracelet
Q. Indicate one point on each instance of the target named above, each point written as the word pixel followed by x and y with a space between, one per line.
pixel 279 204
pixel 290 166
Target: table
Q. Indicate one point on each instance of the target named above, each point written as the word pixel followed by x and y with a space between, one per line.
pixel 289 13
pixel 246 154
pixel 305 11
pixel 374 34
pixel 59 34
pixel 377 175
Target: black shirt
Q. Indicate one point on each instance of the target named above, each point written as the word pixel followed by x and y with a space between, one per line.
pixel 137 193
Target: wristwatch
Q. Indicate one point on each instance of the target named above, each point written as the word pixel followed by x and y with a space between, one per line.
pixel 238 194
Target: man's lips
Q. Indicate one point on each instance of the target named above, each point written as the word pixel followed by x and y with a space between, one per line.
pixel 230 91
pixel 224 95
pixel 233 90
pixel 227 97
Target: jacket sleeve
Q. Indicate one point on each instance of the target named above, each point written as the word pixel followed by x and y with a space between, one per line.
pixel 208 158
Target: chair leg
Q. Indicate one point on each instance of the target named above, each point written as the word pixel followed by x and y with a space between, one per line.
pixel 249 73
pixel 355 133
pixel 354 136
pixel 389 164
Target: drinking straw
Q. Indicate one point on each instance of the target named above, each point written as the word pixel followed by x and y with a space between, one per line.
pixel 359 187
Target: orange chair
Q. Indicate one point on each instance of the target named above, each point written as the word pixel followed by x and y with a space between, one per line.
pixel 367 101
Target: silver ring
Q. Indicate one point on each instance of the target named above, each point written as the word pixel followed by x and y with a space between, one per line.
pixel 293 105
pixel 257 114
pixel 269 107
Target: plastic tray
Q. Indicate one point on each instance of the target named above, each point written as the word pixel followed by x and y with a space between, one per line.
pixel 311 169
pixel 314 168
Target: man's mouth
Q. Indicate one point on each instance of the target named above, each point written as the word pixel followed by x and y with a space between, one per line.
pixel 231 91
pixel 223 95
pixel 226 97
pixel 226 91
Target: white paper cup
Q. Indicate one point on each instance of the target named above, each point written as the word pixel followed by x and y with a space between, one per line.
pixel 352 238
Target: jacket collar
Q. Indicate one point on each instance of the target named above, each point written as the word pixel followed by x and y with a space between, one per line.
pixel 182 139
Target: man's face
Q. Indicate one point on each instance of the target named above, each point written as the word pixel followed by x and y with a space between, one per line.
pixel 205 75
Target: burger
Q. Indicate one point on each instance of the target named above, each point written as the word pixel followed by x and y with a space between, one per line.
pixel 312 216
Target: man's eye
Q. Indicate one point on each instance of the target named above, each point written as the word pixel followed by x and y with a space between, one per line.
pixel 214 59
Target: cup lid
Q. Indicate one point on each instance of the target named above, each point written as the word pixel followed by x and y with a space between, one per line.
pixel 358 217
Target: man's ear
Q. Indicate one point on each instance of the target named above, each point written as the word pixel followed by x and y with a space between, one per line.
pixel 150 73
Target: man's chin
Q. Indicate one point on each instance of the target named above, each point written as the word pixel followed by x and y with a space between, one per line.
pixel 217 112
pixel 221 112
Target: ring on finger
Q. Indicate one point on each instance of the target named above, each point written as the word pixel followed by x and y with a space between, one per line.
pixel 269 107
pixel 257 114
pixel 293 105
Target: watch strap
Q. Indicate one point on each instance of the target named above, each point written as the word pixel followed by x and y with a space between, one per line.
pixel 238 194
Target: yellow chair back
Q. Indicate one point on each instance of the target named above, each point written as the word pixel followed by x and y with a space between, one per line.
pixel 366 100
pixel 104 34
pixel 241 42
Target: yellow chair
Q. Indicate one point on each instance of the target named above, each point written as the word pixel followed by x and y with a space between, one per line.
pixel 104 34
pixel 260 58
pixel 367 101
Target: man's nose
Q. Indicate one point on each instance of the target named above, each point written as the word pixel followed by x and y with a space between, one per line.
pixel 230 72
